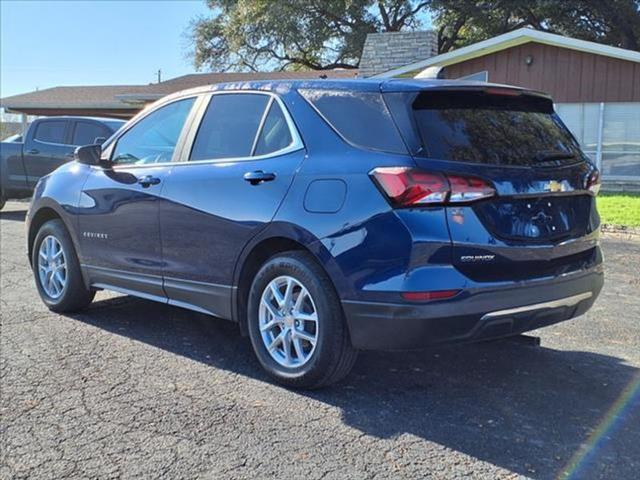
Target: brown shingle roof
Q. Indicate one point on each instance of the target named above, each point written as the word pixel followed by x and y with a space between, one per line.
pixel 127 97
pixel 103 96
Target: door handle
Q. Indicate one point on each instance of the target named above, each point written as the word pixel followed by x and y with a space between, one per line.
pixel 33 151
pixel 258 176
pixel 148 180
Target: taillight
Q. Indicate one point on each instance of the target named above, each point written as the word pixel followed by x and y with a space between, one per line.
pixel 468 189
pixel 410 187
pixel 593 182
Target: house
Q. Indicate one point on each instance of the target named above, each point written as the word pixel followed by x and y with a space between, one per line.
pixel 595 87
pixel 124 101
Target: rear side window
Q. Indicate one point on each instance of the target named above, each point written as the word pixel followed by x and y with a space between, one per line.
pixel 51 131
pixel 492 129
pixel 361 118
pixel 86 133
pixel 229 126
pixel 275 134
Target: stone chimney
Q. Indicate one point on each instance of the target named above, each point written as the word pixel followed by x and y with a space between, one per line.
pixel 385 51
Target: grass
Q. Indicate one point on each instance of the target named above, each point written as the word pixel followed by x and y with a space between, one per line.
pixel 619 209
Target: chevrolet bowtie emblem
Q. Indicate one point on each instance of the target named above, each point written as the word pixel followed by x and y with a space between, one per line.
pixel 554 186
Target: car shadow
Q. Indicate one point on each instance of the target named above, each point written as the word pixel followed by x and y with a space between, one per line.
pixel 535 411
pixel 13 215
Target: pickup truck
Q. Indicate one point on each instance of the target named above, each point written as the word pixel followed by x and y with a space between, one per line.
pixel 48 143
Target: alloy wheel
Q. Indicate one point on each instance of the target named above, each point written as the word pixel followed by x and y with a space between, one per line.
pixel 288 322
pixel 52 267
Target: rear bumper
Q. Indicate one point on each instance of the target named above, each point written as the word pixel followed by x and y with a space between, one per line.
pixel 474 315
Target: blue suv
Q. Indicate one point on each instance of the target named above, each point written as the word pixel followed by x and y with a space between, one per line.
pixel 327 217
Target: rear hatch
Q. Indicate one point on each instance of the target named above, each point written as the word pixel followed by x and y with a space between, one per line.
pixel 539 218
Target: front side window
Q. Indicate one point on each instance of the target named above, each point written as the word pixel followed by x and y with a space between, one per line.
pixel 51 131
pixel 154 138
pixel 229 126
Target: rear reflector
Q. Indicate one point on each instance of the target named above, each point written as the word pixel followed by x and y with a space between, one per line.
pixel 593 182
pixel 410 187
pixel 426 296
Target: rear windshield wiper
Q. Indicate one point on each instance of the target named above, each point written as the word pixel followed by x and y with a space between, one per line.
pixel 550 156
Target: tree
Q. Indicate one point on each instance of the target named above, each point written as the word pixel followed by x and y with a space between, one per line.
pixel 295 34
pixel 612 22
pixel 326 34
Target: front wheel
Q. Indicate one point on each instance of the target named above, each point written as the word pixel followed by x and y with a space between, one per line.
pixel 57 270
pixel 296 323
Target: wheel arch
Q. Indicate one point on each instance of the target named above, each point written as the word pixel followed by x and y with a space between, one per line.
pixel 280 238
pixel 45 212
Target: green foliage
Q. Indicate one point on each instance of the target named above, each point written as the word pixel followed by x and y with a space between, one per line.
pixel 612 22
pixel 326 34
pixel 619 209
pixel 294 34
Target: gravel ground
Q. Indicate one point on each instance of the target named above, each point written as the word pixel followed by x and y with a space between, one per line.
pixel 132 388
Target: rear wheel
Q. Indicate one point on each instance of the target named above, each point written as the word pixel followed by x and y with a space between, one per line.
pixel 2 201
pixel 296 323
pixel 57 271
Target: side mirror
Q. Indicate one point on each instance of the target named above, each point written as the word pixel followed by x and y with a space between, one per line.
pixel 88 154
pixel 100 140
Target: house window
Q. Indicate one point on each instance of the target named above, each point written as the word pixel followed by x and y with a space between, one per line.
pixel 621 140
pixel 609 133
pixel 582 119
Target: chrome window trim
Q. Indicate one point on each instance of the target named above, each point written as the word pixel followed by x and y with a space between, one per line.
pixel 205 97
pixel 296 140
pixel 261 126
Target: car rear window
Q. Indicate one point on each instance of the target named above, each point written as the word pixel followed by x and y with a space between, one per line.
pixel 476 127
pixel 361 118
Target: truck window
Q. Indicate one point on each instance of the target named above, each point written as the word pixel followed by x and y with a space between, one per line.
pixel 50 131
pixel 85 133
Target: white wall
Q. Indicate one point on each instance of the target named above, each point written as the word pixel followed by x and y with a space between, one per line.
pixel 609 133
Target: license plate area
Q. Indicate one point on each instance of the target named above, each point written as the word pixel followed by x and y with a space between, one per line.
pixel 544 219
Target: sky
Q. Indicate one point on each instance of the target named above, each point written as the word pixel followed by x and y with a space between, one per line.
pixel 109 42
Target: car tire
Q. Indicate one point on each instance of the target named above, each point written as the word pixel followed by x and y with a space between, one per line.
pixel 311 364
pixel 57 275
pixel 2 202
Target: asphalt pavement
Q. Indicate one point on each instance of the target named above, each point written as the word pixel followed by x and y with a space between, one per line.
pixel 135 389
